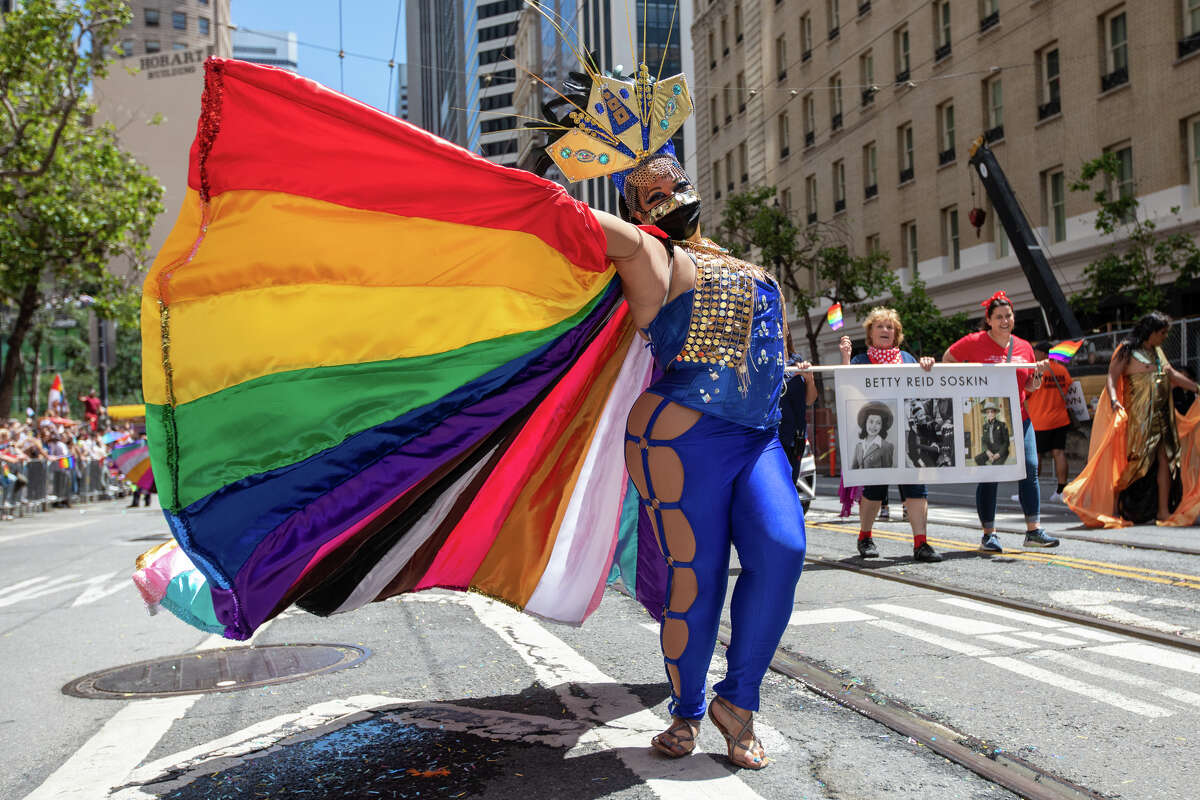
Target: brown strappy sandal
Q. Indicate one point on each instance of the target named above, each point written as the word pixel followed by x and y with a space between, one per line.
pixel 734 741
pixel 684 743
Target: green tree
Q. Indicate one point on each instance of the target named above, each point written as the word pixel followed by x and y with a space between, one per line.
pixel 73 199
pixel 752 221
pixel 1140 263
pixel 927 330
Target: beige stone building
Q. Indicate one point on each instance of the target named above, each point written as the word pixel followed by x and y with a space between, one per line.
pixel 862 114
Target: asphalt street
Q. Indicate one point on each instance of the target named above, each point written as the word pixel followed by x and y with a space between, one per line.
pixel 462 697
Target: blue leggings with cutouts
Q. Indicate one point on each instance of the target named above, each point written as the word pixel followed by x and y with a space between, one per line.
pixel 736 489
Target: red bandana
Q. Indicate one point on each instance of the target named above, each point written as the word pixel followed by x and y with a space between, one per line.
pixel 999 295
pixel 890 355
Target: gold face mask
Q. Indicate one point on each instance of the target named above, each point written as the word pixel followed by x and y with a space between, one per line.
pixel 672 203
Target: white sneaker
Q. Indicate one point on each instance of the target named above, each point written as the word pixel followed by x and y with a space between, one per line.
pixel 1016 498
pixel 1056 498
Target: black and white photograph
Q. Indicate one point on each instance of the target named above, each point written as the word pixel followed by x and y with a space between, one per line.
pixel 929 432
pixel 988 431
pixel 875 447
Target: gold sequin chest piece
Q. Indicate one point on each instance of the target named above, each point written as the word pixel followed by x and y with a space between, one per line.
pixel 722 307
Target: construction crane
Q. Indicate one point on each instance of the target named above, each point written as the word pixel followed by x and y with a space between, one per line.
pixel 1026 247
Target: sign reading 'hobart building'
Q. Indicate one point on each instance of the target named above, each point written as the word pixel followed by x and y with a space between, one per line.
pixel 179 62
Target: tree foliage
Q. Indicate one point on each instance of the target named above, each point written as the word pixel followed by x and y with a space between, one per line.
pixel 927 330
pixel 73 199
pixel 1140 263
pixel 814 263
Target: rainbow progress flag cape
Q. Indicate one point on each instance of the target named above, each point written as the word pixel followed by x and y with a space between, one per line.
pixel 376 363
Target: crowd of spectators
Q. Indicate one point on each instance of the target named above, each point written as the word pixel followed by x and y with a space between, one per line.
pixel 65 446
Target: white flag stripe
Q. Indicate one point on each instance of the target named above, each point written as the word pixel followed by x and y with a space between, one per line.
pixel 931 638
pixel 1078 687
pixel 1151 654
pixel 971 627
pixel 997 611
pixel 1120 676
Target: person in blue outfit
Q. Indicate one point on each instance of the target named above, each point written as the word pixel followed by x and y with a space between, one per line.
pixel 793 426
pixel 885 334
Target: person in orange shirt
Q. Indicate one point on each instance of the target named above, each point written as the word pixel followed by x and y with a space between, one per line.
pixel 1051 420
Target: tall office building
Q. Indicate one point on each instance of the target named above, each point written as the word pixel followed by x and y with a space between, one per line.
pixel 274 48
pixel 862 115
pixel 170 26
pixel 436 96
pixel 402 91
pixel 489 35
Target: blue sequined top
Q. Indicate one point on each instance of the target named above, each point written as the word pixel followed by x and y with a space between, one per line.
pixel 721 345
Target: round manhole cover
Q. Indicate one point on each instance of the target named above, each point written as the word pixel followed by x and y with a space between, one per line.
pixel 225 670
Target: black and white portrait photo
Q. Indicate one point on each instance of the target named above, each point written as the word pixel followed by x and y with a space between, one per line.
pixel 929 432
pixel 875 448
pixel 988 428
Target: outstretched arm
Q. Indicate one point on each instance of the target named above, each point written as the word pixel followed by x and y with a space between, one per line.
pixel 1181 380
pixel 642 263
pixel 1116 368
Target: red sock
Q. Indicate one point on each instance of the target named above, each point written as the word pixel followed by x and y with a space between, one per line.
pixel 864 535
pixel 918 540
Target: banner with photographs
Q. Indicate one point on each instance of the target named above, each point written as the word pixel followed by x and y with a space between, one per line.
pixel 955 424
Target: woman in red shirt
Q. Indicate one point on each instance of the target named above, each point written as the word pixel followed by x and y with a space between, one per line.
pixel 996 344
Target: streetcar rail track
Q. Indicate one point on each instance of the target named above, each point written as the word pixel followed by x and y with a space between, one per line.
pixel 1005 769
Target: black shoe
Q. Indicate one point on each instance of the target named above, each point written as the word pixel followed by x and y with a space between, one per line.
pixel 926 553
pixel 1039 538
pixel 866 548
pixel 990 544
pixel 134 504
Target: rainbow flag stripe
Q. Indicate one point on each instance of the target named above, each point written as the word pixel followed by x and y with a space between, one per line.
pixel 375 363
pixel 834 316
pixel 1065 351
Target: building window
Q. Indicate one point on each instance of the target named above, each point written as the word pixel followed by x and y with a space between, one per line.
pixel 784 144
pixel 904 146
pixel 866 77
pixel 835 102
pixel 835 23
pixel 725 36
pixel 903 60
pixel 712 111
pixel 151 16
pixel 202 24
pixel 941 29
pixel 810 120
pixel 1193 137
pixel 785 201
pixel 1056 205
pixel 993 98
pixel 810 198
pixel 1116 48
pixel 741 91
pixel 839 186
pixel 1191 17
pixel 806 37
pixel 153 46
pixel 737 22
pixel 1049 82
pixel 989 14
pixel 127 47
pixel 946 151
pixel 728 103
pixel 716 177
pixel 179 20
pixel 781 62
pixel 202 2
pixel 873 243
pixel 729 171
pixel 712 50
pixel 870 170
pixel 1124 186
pixel 178 46
pixel 950 236
pixel 908 244
pixel 744 162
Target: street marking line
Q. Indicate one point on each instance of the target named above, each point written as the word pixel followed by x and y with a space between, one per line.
pixel 96 590
pixel 930 638
pixel 33 589
pixel 622 723
pixel 1120 676
pixel 1088 633
pixel 122 742
pixel 996 611
pixel 66 526
pixel 1008 641
pixel 1152 655
pixel 1050 638
pixel 1079 687
pixel 828 616
pixel 964 625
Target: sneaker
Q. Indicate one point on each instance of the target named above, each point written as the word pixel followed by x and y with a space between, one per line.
pixel 1056 498
pixel 885 514
pixel 904 512
pixel 991 544
pixel 1039 538
pixel 867 549
pixel 926 553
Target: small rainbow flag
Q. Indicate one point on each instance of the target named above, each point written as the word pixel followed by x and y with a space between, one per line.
pixel 834 316
pixel 66 463
pixel 1065 351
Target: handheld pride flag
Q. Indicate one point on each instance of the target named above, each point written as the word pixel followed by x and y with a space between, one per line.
pixel 834 316
pixel 1065 351
pixel 56 392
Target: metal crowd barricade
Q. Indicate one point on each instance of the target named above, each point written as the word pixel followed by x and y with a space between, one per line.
pixel 46 483
pixel 37 492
